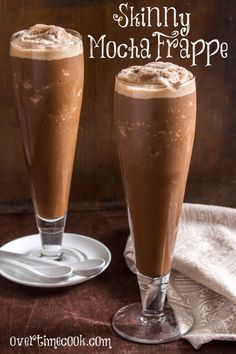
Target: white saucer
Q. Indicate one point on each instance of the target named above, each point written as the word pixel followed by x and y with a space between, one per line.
pixel 86 246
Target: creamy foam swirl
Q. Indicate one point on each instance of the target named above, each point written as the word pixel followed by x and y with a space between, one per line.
pixel 45 42
pixel 156 73
pixel 156 79
pixel 46 35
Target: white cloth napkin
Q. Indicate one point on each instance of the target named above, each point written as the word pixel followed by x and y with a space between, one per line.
pixel 204 271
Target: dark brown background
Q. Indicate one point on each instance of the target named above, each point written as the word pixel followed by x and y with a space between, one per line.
pixel 97 181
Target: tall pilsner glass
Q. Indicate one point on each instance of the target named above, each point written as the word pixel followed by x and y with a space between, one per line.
pixel 155 113
pixel 48 74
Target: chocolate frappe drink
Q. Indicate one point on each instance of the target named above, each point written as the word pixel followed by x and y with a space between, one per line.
pixel 155 111
pixel 48 73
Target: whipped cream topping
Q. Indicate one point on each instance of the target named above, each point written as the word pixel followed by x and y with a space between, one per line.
pixel 156 79
pixel 46 35
pixel 47 42
pixel 163 74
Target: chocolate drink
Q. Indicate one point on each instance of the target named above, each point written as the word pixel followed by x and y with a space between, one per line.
pixel 155 110
pixel 48 72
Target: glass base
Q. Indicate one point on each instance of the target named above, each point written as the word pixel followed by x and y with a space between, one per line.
pixel 130 322
pixel 70 256
pixel 51 234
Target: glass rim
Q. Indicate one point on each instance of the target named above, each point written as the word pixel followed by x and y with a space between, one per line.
pixel 155 86
pixel 50 46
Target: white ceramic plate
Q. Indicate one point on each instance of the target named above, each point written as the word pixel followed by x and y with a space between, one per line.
pixel 88 246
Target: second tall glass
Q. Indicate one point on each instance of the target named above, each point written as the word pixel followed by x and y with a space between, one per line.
pixel 48 74
pixel 155 125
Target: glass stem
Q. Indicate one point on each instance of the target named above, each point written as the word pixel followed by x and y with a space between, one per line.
pixel 51 233
pixel 153 293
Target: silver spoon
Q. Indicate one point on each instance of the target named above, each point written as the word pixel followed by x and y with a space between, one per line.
pixel 48 270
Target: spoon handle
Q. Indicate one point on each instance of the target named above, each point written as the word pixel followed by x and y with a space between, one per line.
pixel 29 260
pixel 19 266
pixel 43 272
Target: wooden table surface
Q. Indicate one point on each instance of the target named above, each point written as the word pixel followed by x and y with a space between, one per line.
pixel 84 309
